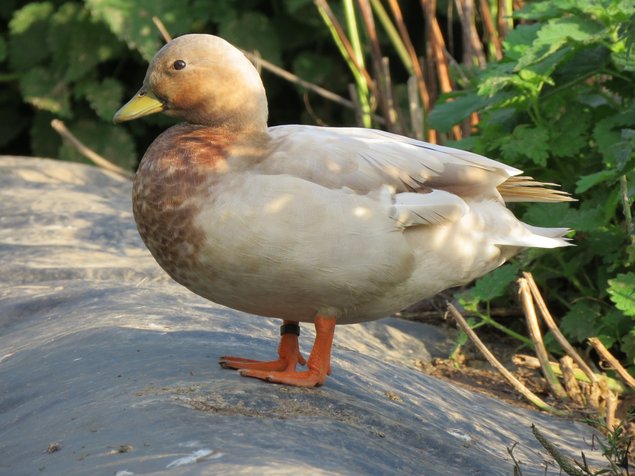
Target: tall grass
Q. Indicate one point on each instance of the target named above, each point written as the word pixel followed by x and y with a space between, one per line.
pixel 367 27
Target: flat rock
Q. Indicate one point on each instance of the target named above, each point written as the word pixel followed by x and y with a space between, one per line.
pixel 108 367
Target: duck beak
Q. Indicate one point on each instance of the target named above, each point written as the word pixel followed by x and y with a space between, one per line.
pixel 142 104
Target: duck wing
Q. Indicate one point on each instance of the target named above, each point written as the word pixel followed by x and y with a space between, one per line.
pixel 363 160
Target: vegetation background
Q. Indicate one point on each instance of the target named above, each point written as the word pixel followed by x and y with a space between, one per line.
pixel 547 87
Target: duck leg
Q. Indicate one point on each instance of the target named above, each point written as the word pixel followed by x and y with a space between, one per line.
pixel 318 364
pixel 288 353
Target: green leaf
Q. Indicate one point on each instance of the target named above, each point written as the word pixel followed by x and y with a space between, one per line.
pixel 3 49
pixel 496 78
pixel 46 92
pixel 453 110
pixel 572 132
pixel 44 140
pixel 622 292
pixel 545 67
pixel 560 32
pixel 253 32
pixel 628 346
pixel 222 12
pixel 615 324
pixel 467 143
pixel 624 60
pixel 614 142
pixel 492 285
pixel 518 41
pixel 104 97
pixel 29 16
pixel 78 42
pixel 111 142
pixel 12 125
pixel 608 244
pixel 27 41
pixel 581 321
pixel 304 11
pixel 584 62
pixel 131 20
pixel 312 67
pixel 527 141
pixel 61 34
pixel 544 10
pixel 585 218
pixel 620 155
pixel 588 181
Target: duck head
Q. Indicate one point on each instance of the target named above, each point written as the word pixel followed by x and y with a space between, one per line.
pixel 204 80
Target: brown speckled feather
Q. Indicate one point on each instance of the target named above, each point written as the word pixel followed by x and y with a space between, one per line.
pixel 177 166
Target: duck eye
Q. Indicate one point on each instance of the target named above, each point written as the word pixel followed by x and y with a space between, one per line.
pixel 179 64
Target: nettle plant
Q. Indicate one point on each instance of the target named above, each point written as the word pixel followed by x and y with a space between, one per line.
pixel 560 105
pixel 78 60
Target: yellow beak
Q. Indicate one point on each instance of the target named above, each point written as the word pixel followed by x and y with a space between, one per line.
pixel 142 104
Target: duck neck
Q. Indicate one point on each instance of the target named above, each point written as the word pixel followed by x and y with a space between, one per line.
pixel 235 110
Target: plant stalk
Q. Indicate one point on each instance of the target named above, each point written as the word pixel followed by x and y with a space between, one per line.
pixel 528 394
pixel 532 362
pixel 551 323
pixel 536 337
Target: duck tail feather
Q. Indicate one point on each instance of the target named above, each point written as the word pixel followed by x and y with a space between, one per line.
pixel 538 237
pixel 526 189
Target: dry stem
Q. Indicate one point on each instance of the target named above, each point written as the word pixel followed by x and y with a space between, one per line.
pixel 528 394
pixel 490 29
pixel 90 154
pixel 536 337
pixel 435 39
pixel 380 68
pixel 324 8
pixel 414 106
pixel 612 422
pixel 162 29
pixel 551 323
pixel 473 47
pixel 414 59
pixel 569 380
pixel 531 362
pixel 391 111
pixel 612 361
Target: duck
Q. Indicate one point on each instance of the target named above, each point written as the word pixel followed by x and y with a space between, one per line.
pixel 307 224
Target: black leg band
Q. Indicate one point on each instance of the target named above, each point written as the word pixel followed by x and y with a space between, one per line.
pixel 290 329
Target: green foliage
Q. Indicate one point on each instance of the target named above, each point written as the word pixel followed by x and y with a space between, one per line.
pixel 561 106
pixel 80 60
pixel 253 31
pixel 55 51
pixel 622 292
pixel 491 286
pixel 132 20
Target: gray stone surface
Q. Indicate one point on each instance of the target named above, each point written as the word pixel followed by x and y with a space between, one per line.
pixel 111 367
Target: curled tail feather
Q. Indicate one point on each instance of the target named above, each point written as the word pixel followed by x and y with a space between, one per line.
pixel 525 189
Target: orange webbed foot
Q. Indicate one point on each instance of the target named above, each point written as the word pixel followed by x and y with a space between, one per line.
pixel 289 355
pixel 306 378
pixel 283 370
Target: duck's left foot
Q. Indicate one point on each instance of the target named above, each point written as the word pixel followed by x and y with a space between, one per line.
pixel 319 361
pixel 307 378
pixel 289 355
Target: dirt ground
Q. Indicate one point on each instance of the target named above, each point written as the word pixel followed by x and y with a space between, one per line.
pixel 471 370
